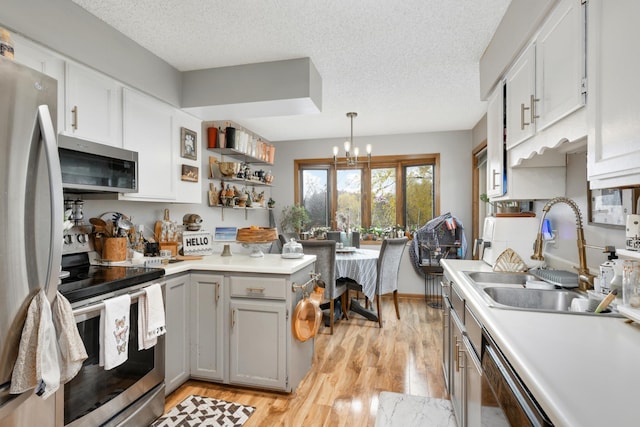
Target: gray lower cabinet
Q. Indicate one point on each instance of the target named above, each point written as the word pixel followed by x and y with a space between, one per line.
pixel 235 328
pixel 257 352
pixel 207 326
pixel 177 338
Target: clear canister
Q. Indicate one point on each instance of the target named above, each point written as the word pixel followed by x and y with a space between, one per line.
pixel 631 283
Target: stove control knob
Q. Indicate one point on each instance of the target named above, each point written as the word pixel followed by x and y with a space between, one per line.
pixel 83 238
pixel 68 239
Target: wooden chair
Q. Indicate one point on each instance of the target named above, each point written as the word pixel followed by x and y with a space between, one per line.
pixel 387 278
pixel 325 252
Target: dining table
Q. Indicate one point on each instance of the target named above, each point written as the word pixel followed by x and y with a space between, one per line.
pixel 360 265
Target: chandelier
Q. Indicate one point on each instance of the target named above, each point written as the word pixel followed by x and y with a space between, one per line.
pixel 351 159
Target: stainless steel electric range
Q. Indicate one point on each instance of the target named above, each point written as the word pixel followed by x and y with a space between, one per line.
pixel 132 393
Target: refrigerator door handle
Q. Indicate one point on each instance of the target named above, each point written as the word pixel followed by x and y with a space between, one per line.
pixel 55 186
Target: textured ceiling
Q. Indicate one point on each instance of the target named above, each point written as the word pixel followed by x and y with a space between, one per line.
pixel 405 66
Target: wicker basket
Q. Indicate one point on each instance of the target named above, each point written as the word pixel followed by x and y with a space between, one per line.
pixel 260 235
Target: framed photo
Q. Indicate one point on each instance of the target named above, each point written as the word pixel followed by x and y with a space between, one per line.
pixel 189 173
pixel 610 206
pixel 188 144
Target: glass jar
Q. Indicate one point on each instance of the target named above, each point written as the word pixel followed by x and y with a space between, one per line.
pixel 292 249
pixel 631 283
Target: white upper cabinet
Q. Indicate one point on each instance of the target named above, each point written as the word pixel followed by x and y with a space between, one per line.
pixel 92 106
pixel 34 56
pixel 547 82
pixel 560 65
pixel 495 142
pixel 521 88
pixel 613 155
pixel 147 125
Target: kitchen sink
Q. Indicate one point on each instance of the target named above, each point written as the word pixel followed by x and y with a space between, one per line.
pixel 503 278
pixel 533 299
pixel 506 290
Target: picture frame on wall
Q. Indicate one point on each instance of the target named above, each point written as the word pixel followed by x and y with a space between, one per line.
pixel 610 206
pixel 188 144
pixel 189 173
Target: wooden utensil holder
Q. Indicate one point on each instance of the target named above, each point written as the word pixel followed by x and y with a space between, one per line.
pixel 114 249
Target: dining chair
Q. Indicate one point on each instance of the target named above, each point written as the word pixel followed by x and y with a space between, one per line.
pixel 388 268
pixel 325 252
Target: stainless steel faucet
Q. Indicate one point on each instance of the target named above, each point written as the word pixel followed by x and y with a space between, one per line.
pixel 585 279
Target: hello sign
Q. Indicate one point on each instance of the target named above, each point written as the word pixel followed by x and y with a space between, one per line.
pixel 197 243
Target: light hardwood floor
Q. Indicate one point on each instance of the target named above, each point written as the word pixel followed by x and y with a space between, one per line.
pixel 350 369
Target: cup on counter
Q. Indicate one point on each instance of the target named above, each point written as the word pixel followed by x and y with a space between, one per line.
pixel 165 253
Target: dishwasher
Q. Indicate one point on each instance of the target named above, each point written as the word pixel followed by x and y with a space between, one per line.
pixel 514 405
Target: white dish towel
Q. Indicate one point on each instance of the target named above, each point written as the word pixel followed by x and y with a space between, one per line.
pixel 37 364
pixel 72 350
pixel 114 331
pixel 151 320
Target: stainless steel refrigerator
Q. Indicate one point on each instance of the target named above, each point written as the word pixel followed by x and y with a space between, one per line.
pixel 31 204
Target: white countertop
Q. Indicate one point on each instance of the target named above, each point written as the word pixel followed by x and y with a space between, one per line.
pixel 241 263
pixel 583 370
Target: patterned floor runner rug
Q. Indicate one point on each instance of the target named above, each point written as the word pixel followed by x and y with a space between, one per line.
pixel 205 411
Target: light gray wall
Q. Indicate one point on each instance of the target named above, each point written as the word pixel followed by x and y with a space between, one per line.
pixel 455 163
pixel 455 176
pixel 65 27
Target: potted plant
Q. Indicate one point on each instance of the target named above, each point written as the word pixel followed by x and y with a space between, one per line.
pixel 293 218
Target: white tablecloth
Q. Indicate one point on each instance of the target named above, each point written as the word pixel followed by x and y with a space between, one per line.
pixel 360 266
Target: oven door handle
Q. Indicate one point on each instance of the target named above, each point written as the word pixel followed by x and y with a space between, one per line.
pixel 89 309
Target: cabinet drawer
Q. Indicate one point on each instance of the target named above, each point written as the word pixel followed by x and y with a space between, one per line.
pixel 474 330
pixel 258 287
pixel 457 302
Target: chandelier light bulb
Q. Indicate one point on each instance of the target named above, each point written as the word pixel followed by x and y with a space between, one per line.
pixel 368 148
pixel 356 150
pixel 335 150
pixel 347 146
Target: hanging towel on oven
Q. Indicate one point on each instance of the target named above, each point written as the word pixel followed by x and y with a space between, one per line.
pixel 37 363
pixel 72 351
pixel 151 322
pixel 114 331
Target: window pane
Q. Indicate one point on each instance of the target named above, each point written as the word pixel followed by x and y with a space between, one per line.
pixel 315 196
pixel 383 197
pixel 419 195
pixel 349 209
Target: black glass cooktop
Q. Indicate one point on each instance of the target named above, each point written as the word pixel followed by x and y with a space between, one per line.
pixel 86 281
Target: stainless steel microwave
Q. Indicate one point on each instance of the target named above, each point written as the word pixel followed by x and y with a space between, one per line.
pixel 89 167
